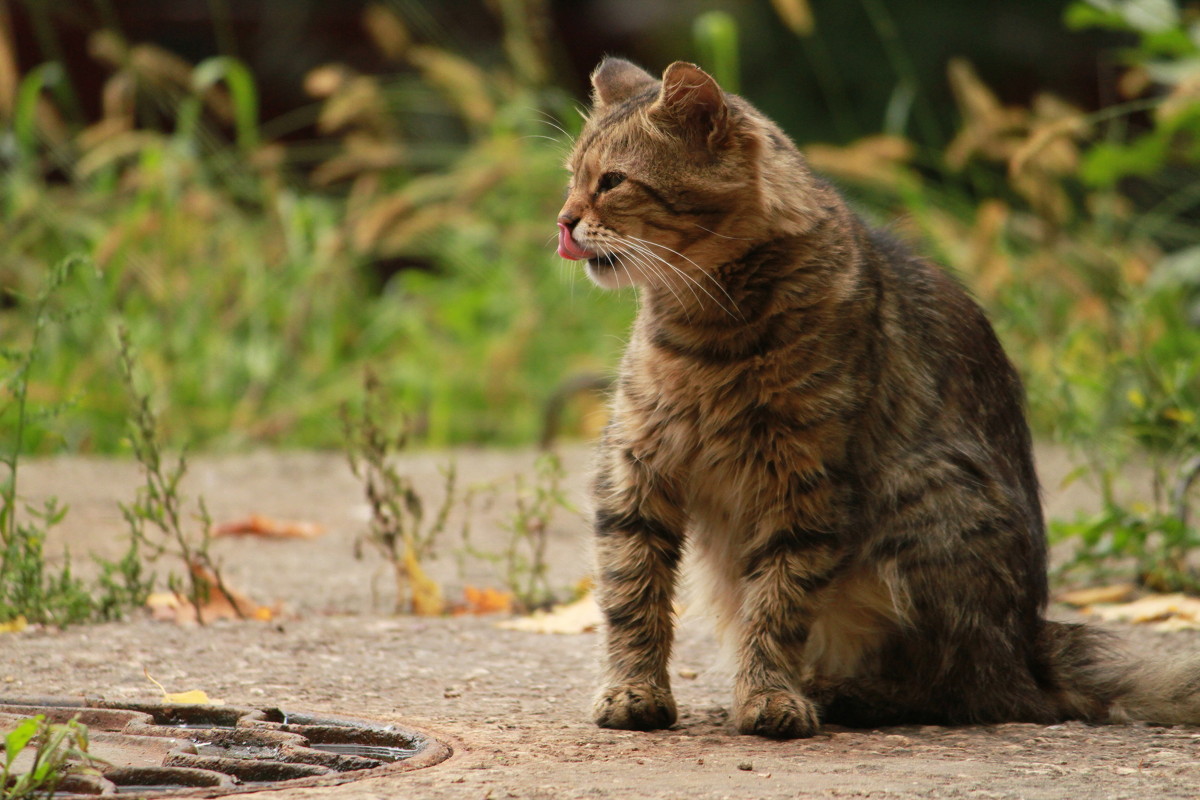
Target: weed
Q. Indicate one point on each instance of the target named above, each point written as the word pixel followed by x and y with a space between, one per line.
pixel 28 587
pixel 60 751
pixel 398 529
pixel 521 562
pixel 156 517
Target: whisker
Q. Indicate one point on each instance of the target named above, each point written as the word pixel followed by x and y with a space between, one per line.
pixel 549 120
pixel 657 272
pixel 653 257
pixel 691 281
pixel 702 272
pixel 722 235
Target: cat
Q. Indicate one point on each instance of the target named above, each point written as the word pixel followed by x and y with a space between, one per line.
pixel 830 422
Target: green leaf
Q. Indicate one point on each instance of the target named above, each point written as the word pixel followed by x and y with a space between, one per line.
pixel 242 90
pixel 716 35
pixel 15 741
pixel 25 110
pixel 1081 15
pixel 1173 42
pixel 1108 162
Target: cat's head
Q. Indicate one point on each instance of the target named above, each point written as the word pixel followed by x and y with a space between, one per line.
pixel 670 176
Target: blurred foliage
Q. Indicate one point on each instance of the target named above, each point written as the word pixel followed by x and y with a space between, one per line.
pixel 257 283
pixel 1078 231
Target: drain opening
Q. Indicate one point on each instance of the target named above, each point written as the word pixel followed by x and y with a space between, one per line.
pixel 181 750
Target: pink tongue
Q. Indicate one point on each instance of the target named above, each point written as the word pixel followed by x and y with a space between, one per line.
pixel 567 248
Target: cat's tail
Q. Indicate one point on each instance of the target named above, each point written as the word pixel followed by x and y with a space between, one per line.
pixel 1098 679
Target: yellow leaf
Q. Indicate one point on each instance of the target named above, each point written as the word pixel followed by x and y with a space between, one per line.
pixel 426 594
pixel 581 616
pixel 14 625
pixel 195 697
pixel 1161 611
pixel 1181 415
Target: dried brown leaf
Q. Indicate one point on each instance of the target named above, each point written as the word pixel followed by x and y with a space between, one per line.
pixel 228 604
pixel 479 602
pixel 268 528
pixel 1162 611
pixel 1116 593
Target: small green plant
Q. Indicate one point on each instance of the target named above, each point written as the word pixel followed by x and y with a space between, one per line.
pixel 398 528
pixel 29 588
pixel 1138 415
pixel 60 751
pixel 156 518
pixel 522 561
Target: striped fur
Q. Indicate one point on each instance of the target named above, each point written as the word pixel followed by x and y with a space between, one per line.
pixel 830 422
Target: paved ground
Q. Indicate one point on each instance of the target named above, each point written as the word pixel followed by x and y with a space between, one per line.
pixel 512 705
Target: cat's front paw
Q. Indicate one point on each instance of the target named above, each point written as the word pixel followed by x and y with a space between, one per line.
pixel 635 707
pixel 778 714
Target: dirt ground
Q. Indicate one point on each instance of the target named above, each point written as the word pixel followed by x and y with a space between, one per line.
pixel 513 705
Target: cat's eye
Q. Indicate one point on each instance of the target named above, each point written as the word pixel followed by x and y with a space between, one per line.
pixel 609 181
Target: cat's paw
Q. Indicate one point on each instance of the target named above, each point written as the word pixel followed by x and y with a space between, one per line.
pixel 634 707
pixel 777 714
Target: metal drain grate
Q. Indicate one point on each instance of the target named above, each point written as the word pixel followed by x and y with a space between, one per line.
pixel 206 751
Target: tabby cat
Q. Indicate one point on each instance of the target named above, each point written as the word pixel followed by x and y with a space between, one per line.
pixel 831 423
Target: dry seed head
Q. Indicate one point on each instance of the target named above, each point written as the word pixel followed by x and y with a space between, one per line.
pixel 386 30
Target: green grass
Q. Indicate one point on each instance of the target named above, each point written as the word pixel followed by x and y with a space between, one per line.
pixel 255 319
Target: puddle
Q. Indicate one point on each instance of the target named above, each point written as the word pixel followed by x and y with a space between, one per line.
pixel 372 751
pixel 235 751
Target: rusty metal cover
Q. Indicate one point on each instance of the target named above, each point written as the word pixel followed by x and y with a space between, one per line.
pixel 207 750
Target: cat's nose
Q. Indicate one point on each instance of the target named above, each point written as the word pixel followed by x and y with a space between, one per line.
pixel 568 219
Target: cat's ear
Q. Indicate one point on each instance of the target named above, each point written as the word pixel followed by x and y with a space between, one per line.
pixel 616 80
pixel 691 102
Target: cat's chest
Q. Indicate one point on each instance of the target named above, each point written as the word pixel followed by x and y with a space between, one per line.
pixel 705 429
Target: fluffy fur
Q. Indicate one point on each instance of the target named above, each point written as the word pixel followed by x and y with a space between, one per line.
pixel 831 423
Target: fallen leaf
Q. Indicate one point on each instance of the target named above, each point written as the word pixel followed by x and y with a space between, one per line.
pixel 229 604
pixel 16 625
pixel 484 601
pixel 426 593
pixel 1117 593
pixel 195 697
pixel 164 606
pixel 580 616
pixel 268 528
pixel 1161 611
